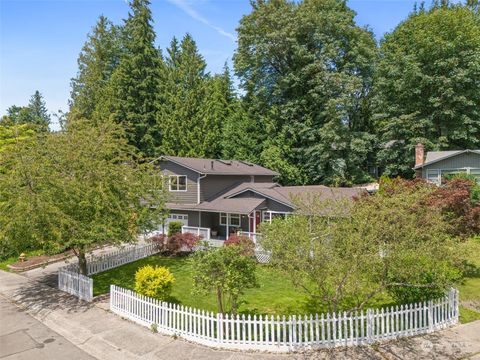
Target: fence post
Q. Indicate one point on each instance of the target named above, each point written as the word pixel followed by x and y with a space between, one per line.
pixel 369 326
pixel 219 327
pixel 430 316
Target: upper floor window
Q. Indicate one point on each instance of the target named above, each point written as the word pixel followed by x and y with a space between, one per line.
pixel 177 182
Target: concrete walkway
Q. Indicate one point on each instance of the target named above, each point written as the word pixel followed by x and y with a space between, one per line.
pixel 106 336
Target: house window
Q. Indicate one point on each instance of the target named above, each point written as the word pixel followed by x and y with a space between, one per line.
pixel 476 174
pixel 177 182
pixel 433 176
pixel 230 219
pixel 268 216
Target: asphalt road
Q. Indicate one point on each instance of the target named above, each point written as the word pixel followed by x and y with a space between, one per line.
pixel 23 337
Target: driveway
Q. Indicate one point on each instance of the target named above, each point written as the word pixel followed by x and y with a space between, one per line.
pixel 23 337
pixel 104 335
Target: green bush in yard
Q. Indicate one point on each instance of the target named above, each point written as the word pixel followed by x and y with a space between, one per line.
pixel 155 282
pixel 174 227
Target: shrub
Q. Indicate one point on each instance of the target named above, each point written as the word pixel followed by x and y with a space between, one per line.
pixel 160 240
pixel 174 227
pixel 155 282
pixel 247 245
pixel 179 242
pixel 458 201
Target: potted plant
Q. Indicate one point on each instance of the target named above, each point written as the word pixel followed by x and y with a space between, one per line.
pixel 214 232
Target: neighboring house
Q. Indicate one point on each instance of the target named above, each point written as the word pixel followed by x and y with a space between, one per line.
pixel 215 198
pixel 436 164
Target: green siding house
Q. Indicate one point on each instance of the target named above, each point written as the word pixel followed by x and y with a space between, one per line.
pixel 436 164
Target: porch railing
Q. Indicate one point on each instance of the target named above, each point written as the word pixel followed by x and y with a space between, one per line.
pixel 255 237
pixel 199 231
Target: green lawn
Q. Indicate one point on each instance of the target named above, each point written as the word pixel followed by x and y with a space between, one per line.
pixel 276 295
pixel 470 287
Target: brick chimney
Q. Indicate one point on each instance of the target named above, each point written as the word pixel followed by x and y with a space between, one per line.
pixel 419 154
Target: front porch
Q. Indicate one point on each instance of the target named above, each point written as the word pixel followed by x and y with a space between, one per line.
pixel 219 225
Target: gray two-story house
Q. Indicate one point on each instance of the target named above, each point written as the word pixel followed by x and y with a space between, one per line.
pixel 215 198
pixel 435 165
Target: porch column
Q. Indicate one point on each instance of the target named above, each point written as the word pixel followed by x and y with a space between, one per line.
pixel 228 229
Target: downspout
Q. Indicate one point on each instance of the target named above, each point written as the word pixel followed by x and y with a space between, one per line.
pixel 198 186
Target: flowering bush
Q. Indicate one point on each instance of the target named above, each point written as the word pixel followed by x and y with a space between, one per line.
pixel 155 282
pixel 244 242
pixel 179 242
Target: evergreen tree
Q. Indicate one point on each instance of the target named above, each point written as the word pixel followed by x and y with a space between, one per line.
pixel 35 114
pixel 427 85
pixel 306 71
pixel 97 60
pixel 194 105
pixel 38 111
pixel 133 88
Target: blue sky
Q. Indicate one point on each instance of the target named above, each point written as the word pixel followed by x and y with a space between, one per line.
pixel 40 39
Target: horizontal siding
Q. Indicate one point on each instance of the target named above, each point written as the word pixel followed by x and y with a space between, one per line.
pixel 470 160
pixel 212 185
pixel 263 179
pixel 181 197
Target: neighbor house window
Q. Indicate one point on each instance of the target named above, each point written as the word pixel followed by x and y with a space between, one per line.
pixel 230 219
pixel 177 183
pixel 433 176
pixel 476 174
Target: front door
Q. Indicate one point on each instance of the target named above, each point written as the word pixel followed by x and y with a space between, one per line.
pixel 254 221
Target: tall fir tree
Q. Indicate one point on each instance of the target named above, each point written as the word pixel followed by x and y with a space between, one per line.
pixel 99 57
pixel 306 71
pixel 194 105
pixel 426 85
pixel 133 87
pixel 35 114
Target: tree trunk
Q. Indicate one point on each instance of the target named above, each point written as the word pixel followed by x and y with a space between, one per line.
pixel 219 300
pixel 82 263
pixel 234 305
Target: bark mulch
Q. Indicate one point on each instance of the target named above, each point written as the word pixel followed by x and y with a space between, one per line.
pixel 33 262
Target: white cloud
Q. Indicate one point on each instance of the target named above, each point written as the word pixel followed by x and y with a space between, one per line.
pixel 182 4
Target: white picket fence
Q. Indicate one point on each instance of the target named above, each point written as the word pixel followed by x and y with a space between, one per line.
pixel 71 281
pixel 286 333
pixel 74 283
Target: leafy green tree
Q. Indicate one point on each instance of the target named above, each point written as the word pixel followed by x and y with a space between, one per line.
pixel 133 87
pixel 77 189
pixel 392 243
pixel 99 57
pixel 426 85
pixel 306 72
pixel 225 271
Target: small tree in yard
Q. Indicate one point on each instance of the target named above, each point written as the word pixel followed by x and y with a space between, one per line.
pixel 346 253
pixel 78 189
pixel 225 271
pixel 244 242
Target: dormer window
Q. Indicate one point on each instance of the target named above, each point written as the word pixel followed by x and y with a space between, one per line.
pixel 177 182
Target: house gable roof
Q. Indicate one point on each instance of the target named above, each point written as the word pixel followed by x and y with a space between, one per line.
pixel 219 167
pixel 436 156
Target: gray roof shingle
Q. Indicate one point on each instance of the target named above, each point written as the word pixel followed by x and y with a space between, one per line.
pixel 220 167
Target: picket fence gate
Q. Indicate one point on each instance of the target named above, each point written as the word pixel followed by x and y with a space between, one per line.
pixel 71 281
pixel 283 334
